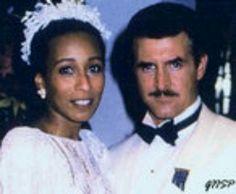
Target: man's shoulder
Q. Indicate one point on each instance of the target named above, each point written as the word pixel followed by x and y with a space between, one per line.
pixel 216 119
pixel 217 125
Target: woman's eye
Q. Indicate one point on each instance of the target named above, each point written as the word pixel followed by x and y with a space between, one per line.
pixel 147 67
pixel 95 68
pixel 66 70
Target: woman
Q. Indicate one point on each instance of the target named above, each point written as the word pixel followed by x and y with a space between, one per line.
pixel 54 155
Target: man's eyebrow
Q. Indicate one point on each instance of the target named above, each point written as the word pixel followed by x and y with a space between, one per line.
pixel 174 60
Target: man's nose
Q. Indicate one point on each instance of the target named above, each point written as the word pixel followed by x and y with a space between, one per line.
pixel 162 79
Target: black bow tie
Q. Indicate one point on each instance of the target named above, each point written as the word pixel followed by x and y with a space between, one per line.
pixel 168 131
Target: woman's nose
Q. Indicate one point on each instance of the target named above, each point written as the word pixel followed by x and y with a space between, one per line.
pixel 83 82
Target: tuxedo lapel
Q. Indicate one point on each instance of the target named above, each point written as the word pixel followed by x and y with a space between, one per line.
pixel 195 153
pixel 202 151
pixel 198 141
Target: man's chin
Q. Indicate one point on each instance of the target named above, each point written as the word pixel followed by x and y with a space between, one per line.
pixel 158 117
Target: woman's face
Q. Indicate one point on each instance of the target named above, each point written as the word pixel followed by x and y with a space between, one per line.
pixel 75 77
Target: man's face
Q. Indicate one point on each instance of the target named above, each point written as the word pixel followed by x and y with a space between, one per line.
pixel 166 74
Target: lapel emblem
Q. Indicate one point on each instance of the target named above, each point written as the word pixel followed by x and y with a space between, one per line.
pixel 180 177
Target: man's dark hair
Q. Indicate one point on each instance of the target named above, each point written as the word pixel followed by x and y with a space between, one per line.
pixel 165 20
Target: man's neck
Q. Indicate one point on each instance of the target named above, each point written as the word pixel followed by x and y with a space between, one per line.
pixel 186 113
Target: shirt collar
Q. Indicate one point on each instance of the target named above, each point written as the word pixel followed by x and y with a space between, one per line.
pixel 187 112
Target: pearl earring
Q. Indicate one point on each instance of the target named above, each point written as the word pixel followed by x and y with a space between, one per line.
pixel 42 93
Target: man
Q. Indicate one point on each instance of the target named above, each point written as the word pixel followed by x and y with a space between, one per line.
pixel 112 99
pixel 180 146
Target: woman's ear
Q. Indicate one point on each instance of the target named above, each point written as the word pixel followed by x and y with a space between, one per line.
pixel 40 85
pixel 39 81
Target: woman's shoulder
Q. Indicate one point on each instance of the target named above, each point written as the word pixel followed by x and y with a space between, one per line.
pixel 25 141
pixel 28 154
pixel 23 135
pixel 22 130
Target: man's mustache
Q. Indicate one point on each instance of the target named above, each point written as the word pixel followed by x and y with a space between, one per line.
pixel 167 92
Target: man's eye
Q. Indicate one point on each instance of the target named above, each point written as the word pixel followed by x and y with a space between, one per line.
pixel 95 68
pixel 66 70
pixel 176 65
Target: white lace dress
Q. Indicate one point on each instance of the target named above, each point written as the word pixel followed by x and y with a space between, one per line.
pixel 34 162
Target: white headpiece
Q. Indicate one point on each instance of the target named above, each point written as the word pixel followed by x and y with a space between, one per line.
pixel 48 12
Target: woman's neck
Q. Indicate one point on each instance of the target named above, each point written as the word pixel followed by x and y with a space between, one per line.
pixel 58 127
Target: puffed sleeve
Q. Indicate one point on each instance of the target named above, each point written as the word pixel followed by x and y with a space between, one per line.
pixel 28 164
